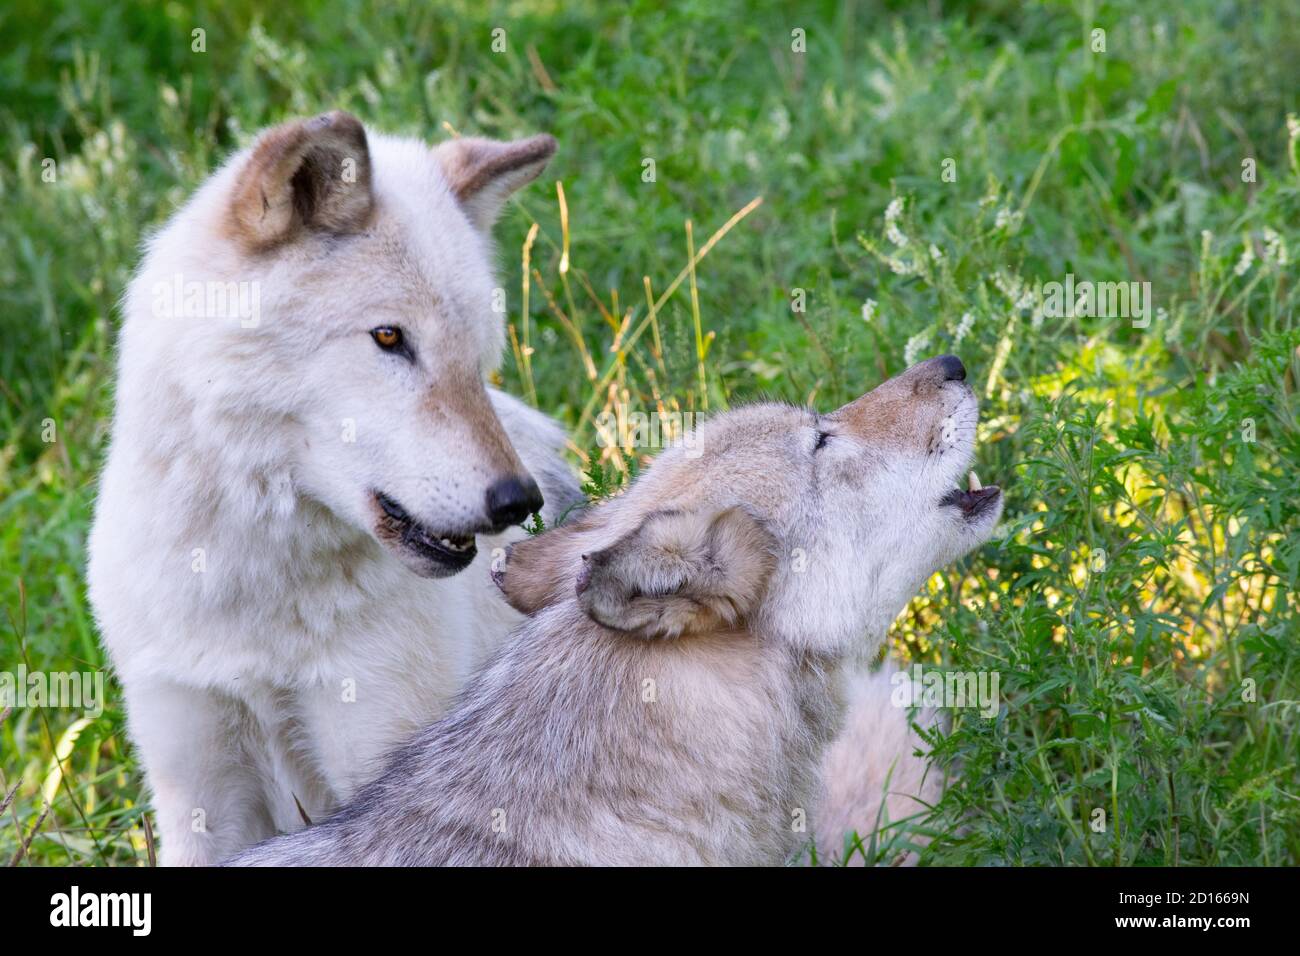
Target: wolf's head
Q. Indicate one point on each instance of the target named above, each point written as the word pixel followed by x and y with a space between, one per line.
pixel 812 529
pixel 375 318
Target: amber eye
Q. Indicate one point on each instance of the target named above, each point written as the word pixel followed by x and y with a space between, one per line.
pixel 387 337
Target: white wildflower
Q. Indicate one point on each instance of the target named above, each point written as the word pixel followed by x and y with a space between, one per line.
pixel 1009 285
pixel 1246 261
pixel 914 347
pixel 868 310
pixel 936 253
pixel 1274 247
pixel 892 232
pixel 1003 218
pixel 963 328
pixel 780 120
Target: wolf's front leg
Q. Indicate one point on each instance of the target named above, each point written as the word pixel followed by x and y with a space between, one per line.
pixel 198 747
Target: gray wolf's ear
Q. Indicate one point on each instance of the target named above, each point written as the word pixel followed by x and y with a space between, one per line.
pixel 482 173
pixel 680 572
pixel 305 174
pixel 539 571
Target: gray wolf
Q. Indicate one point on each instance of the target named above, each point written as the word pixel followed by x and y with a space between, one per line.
pixel 671 696
pixel 308 474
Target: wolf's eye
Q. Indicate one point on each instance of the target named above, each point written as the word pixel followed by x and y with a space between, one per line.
pixel 387 338
pixel 822 439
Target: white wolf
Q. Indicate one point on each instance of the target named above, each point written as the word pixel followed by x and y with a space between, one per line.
pixel 308 477
pixel 671 698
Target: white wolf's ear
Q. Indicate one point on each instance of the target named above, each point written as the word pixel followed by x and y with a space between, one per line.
pixel 680 572
pixel 305 174
pixel 482 173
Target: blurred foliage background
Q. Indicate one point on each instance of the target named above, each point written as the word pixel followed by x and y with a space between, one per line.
pixel 1139 602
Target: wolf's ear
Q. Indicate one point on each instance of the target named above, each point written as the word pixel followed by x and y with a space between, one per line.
pixel 539 571
pixel 305 174
pixel 482 173
pixel 680 572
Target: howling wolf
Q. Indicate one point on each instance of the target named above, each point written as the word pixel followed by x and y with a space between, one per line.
pixel 672 695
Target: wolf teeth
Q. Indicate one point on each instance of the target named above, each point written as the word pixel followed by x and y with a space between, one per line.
pixel 974 482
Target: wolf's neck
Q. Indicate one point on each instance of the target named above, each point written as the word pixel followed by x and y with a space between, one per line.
pixel 220 502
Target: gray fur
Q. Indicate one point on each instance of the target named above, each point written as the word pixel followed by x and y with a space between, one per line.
pixel 555 733
pixel 672 695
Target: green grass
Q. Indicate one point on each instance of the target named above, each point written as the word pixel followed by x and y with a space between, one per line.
pixel 1148 565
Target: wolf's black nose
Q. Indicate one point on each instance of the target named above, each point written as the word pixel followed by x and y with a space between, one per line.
pixel 512 500
pixel 953 370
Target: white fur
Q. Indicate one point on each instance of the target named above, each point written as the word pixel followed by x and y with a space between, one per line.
pixel 877 780
pixel 226 451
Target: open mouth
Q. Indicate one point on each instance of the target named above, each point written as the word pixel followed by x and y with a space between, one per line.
pixel 452 551
pixel 975 501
